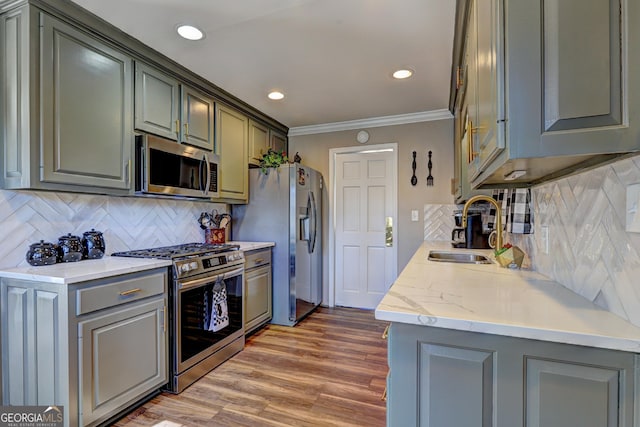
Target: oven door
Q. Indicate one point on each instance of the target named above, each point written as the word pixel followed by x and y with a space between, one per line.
pixel 198 302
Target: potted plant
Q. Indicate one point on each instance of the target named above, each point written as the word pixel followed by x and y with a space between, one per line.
pixel 272 159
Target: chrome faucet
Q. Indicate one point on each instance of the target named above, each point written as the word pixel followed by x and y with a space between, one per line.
pixel 491 200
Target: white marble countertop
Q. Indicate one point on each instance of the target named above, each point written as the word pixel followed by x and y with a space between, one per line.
pixel 74 272
pixel 250 246
pixel 108 266
pixel 490 299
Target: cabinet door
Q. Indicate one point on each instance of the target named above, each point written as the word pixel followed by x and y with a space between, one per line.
pixel 258 298
pixel 442 377
pixel 197 118
pixel 157 102
pixel 34 345
pixel 438 385
pixel 470 107
pixel 122 356
pixel 278 142
pixel 15 27
pixel 487 129
pixel 231 146
pixel 258 141
pixel 86 108
pixel 575 93
pixel 594 393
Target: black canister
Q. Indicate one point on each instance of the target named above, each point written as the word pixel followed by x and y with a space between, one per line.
pixel 69 248
pixel 42 253
pixel 93 246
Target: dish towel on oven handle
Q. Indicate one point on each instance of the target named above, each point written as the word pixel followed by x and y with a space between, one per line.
pixel 216 314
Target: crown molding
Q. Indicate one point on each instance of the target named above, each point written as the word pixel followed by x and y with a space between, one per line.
pixel 400 119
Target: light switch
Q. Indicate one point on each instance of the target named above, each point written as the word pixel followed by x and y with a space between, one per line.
pixel 414 216
pixel 633 208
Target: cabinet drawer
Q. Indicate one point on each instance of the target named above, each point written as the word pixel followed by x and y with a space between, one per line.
pixel 120 292
pixel 257 258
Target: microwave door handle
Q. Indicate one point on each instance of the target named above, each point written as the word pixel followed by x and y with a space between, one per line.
pixel 208 180
pixel 204 183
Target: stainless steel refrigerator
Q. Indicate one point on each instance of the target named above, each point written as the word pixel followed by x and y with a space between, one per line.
pixel 285 207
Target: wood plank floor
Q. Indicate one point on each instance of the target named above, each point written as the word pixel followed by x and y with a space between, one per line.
pixel 329 370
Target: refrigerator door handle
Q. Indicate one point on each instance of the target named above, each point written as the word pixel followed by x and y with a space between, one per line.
pixel 313 215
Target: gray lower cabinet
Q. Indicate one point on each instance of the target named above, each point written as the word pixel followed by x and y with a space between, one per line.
pixel 258 299
pixel 67 107
pixel 441 378
pixel 94 348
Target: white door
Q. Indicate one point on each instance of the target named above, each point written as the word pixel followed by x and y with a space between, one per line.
pixel 365 210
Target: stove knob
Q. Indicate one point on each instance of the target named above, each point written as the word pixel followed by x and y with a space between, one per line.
pixel 193 265
pixel 184 268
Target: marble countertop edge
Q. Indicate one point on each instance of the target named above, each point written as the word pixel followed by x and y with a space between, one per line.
pixel 494 300
pixel 621 343
pixel 83 271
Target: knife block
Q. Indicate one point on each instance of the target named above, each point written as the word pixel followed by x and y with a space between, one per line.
pixel 214 236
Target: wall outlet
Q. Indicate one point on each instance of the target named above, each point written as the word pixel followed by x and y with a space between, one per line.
pixel 544 239
pixel 633 208
pixel 414 216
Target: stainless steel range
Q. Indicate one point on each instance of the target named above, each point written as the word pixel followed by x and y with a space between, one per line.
pixel 206 312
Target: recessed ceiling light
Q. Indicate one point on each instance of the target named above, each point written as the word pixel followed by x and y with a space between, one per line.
pixel 402 74
pixel 275 95
pixel 190 32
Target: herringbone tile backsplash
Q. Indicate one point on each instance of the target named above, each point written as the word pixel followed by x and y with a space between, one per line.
pixel 438 221
pixel 126 222
pixel 589 250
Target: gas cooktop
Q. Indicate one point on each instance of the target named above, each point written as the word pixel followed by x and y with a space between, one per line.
pixel 179 251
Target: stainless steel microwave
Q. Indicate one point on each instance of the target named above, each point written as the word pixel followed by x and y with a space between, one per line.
pixel 166 167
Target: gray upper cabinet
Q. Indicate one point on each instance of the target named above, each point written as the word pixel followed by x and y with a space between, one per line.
pixel 157 100
pixel 71 102
pixel 560 91
pixel 484 72
pixel 473 130
pixel 232 142
pixel 168 108
pixel 278 141
pixel 197 118
pixel 258 141
pixel 86 105
pixel 68 107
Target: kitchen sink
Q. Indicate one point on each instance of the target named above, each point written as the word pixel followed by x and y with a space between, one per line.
pixel 458 257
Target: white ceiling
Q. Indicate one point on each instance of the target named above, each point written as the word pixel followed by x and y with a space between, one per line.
pixel 333 59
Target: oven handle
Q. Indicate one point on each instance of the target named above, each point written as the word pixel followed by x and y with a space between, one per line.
pixel 209 279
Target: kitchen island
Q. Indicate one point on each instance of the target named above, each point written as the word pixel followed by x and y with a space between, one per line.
pixel 478 344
